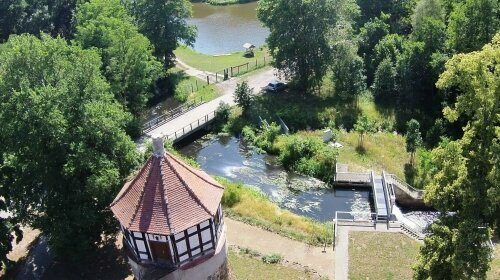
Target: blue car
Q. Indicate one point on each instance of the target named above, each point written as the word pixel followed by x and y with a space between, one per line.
pixel 275 86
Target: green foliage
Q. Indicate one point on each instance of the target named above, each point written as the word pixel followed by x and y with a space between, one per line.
pixel 64 153
pixel 472 24
pixel 249 251
pixel 465 179
pixel 384 84
pixel 413 139
pixel 272 258
pixel 303 54
pixel 35 16
pixel 128 61
pixel 307 154
pixel 165 24
pixel 243 96
pixel 266 137
pixel 370 34
pixel 222 113
pixel 231 196
pixel 363 126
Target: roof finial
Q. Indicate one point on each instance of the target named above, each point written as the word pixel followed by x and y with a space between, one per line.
pixel 158 148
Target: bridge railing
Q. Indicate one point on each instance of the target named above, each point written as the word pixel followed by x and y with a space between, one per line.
pixel 191 127
pixel 345 218
pixel 401 184
pixel 168 116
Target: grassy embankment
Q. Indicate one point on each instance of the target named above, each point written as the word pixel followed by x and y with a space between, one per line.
pixel 375 255
pixel 245 266
pixel 188 88
pixel 218 63
pixel 494 272
pixel 252 207
pixel 307 116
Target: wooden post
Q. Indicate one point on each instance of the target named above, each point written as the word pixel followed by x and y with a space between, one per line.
pixel 216 79
pixel 232 71
pixel 192 89
pixel 247 66
pixel 197 85
pixel 208 81
pixel 264 60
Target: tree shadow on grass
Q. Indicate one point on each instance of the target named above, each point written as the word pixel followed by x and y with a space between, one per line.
pixel 109 262
pixel 360 150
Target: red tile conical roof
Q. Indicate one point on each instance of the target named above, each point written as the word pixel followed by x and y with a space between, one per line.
pixel 166 197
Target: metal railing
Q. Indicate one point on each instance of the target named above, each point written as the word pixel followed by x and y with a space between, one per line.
pixel 188 129
pixel 172 114
pixel 402 185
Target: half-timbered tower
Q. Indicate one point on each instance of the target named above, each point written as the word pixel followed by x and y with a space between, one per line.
pixel 171 218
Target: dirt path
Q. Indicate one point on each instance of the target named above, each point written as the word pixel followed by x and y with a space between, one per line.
pixel 265 242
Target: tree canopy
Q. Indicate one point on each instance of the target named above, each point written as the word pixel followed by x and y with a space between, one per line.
pixel 164 23
pixel 64 152
pixel 299 36
pixel 465 179
pixel 128 61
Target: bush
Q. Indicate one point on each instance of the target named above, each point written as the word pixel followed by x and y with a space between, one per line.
pixel 272 258
pixel 243 96
pixel 222 113
pixel 248 134
pixel 268 134
pixel 231 196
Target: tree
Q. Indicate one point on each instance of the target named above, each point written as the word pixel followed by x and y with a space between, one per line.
pixel 384 84
pixel 299 36
pixel 363 126
pixel 370 34
pixel 472 24
pixel 35 16
pixel 164 22
pixel 465 179
pixel 128 61
pixel 413 139
pixel 243 96
pixel 64 153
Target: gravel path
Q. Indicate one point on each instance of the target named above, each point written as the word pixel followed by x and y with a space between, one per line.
pixel 265 242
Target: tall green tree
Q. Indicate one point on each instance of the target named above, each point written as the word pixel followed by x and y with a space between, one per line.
pixel 299 36
pixel 413 139
pixel 128 61
pixel 465 180
pixel 363 126
pixel 64 152
pixel 472 24
pixel 369 36
pixel 384 84
pixel 243 96
pixel 35 16
pixel 164 22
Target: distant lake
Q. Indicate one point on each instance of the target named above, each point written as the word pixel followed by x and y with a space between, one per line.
pixel 224 29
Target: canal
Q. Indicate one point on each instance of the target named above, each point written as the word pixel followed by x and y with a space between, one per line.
pixel 231 158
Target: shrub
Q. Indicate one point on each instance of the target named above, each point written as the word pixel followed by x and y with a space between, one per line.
pixel 231 196
pixel 272 258
pixel 265 139
pixel 248 134
pixel 222 113
pixel 243 96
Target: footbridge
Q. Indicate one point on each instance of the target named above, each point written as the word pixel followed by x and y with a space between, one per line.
pixel 193 117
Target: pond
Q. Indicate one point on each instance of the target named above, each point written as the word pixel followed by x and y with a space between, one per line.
pixel 224 29
pixel 231 158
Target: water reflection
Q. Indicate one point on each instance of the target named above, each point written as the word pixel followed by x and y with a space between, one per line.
pixel 224 29
pixel 231 158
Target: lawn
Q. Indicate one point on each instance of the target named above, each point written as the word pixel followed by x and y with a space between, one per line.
pixel 243 266
pixel 382 151
pixel 252 207
pixel 374 255
pixel 218 63
pixel 189 88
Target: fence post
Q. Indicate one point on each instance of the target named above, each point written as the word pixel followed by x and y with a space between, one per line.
pixel 264 60
pixel 192 89
pixel 256 63
pixel 247 66
pixel 232 71
pixel 196 84
pixel 208 81
pixel 216 77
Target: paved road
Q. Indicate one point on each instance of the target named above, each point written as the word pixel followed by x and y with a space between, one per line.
pixel 265 242
pixel 256 80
